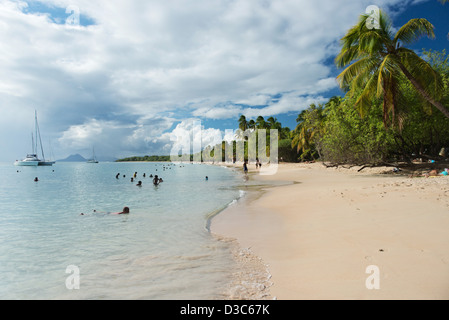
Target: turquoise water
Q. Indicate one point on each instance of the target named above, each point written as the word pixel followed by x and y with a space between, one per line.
pixel 162 250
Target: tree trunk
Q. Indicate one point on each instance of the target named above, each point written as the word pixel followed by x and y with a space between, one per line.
pixel 421 90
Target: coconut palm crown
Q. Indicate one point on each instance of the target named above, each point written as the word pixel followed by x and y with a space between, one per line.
pixel 377 63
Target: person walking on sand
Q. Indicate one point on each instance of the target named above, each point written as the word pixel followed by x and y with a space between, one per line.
pixel 245 167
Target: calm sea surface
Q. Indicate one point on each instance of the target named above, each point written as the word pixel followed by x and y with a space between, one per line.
pixel 162 250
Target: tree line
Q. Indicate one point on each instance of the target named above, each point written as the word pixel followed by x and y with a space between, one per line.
pixel 146 159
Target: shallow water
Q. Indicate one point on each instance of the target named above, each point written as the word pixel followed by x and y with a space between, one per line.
pixel 162 250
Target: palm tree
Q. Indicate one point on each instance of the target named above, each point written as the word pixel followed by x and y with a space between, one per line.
pixel 252 124
pixel 309 130
pixel 260 122
pixel 273 123
pixel 382 64
pixel 243 124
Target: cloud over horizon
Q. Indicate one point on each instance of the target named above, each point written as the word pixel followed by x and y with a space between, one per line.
pixel 133 71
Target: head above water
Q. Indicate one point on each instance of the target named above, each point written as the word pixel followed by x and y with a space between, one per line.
pixel 125 210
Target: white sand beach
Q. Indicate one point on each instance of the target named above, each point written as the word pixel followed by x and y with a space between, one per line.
pixel 317 235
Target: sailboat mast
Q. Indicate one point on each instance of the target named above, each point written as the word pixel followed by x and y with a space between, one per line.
pixel 39 132
pixel 32 143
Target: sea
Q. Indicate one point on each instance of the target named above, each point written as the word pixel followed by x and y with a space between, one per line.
pixel 59 240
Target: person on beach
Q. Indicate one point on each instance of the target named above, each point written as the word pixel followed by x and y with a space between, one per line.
pixel 257 163
pixel 434 173
pixel 245 167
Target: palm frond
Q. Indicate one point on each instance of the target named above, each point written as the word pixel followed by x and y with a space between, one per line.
pixel 423 72
pixel 357 69
pixel 414 30
pixel 364 102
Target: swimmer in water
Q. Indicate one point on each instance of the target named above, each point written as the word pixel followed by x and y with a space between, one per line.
pixel 139 184
pixel 125 211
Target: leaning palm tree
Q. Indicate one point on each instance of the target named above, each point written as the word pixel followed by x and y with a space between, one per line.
pixel 309 130
pixel 379 64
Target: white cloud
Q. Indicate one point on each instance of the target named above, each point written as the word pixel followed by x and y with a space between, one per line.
pixel 150 59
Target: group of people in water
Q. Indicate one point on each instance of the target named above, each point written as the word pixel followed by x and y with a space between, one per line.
pixel 124 211
pixel 156 179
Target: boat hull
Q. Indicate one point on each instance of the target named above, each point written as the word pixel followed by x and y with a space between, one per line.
pixel 46 163
pixel 26 163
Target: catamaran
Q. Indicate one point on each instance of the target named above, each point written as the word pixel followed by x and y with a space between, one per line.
pixel 33 158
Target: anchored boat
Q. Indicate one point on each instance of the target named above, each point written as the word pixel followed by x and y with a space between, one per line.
pixel 33 158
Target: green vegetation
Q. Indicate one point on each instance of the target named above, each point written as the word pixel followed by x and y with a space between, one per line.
pixel 146 159
pixel 341 133
pixel 382 65
pixel 394 108
pixel 285 152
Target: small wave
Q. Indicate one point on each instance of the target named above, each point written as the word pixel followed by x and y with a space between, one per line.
pixel 214 213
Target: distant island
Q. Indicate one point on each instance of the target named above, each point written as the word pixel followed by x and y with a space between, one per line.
pixel 73 158
pixel 146 159
pixel 79 158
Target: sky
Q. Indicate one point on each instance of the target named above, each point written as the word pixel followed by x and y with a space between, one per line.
pixel 127 77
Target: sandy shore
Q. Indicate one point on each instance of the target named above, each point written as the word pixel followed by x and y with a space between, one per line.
pixel 314 233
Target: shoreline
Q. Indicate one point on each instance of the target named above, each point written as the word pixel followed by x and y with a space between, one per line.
pixel 318 232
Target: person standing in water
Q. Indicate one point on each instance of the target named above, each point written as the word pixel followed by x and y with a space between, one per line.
pixel 245 167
